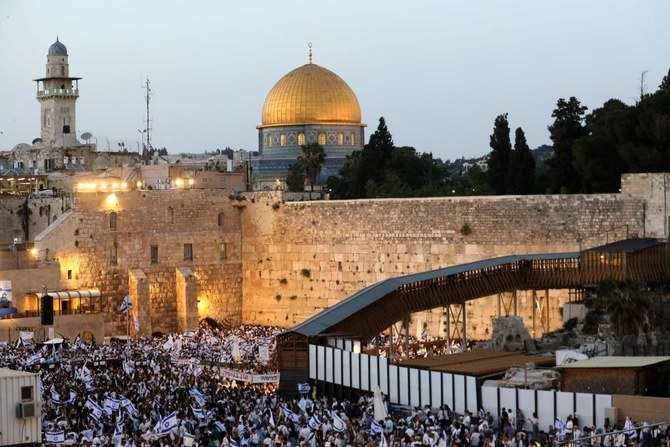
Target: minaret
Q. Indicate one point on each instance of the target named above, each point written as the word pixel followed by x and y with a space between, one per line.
pixel 57 94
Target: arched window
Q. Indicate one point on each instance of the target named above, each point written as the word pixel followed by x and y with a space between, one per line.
pixel 353 139
pixel 340 139
pixel 221 219
pixel 268 141
pixel 170 215
pixel 301 139
pixel 112 220
pixel 283 139
pixel 322 138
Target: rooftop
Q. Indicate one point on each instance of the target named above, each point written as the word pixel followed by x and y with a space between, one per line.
pixel 616 362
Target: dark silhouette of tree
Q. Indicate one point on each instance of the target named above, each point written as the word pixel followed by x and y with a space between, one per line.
pixel 626 304
pixel 665 83
pixel 521 171
pixel 565 130
pixel 500 155
pixel 311 161
pixel 295 179
pixel 596 158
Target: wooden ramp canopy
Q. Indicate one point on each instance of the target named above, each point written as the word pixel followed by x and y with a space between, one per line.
pixel 368 312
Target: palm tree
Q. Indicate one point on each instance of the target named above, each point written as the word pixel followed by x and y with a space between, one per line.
pixel 626 304
pixel 311 160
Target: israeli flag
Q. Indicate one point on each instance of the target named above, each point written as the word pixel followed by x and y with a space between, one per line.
pixel 291 415
pixel 188 440
pixel 136 322
pixel 197 395
pixel 96 410
pixel 118 431
pixel 234 443
pixel 110 405
pixel 338 424
pixel 169 423
pixel 86 375
pixel 303 388
pixel 198 412
pixel 559 424
pixel 383 442
pixel 54 395
pixel 189 333
pixel 55 437
pixel 629 428
pixel 314 422
pixel 375 427
pixel 126 304
pixel 222 428
pixel 73 396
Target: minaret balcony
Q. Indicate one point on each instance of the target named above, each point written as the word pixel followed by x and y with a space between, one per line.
pixel 58 92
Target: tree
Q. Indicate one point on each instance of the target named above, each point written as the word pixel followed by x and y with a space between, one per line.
pixel 295 179
pixel 665 83
pixel 310 161
pixel 626 305
pixel 565 130
pixel 596 158
pixel 377 153
pixel 521 172
pixel 499 157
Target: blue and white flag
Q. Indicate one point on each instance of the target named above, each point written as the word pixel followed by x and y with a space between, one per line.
pixel 272 419
pixel 234 443
pixel 197 395
pixel 303 388
pixel 73 396
pixel 136 322
pixel 169 423
pixel 482 413
pixel 188 440
pixel 199 413
pixel 222 428
pixel 111 405
pixel 54 395
pixel 189 333
pixel 55 437
pixel 559 424
pixel 96 410
pixel 126 304
pixel 118 431
pixel 128 405
pixel 86 375
pixel 383 442
pixel 338 423
pixel 629 428
pixel 314 422
pixel 375 427
pixel 291 415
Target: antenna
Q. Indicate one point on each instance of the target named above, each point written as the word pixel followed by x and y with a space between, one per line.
pixel 147 96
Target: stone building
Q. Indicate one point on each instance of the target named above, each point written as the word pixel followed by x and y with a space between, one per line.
pixel 310 104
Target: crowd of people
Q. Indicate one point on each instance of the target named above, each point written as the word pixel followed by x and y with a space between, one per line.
pixel 174 391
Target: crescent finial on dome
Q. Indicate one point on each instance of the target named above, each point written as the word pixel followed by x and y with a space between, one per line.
pixel 310 52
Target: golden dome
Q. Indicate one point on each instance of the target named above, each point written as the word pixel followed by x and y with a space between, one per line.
pixel 309 95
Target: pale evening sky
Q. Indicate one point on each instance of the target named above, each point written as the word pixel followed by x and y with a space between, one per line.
pixel 438 71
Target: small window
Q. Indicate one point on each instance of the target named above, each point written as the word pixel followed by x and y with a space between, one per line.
pixel 112 221
pixel 154 254
pixel 322 138
pixel 222 220
pixel 113 256
pixel 222 251
pixel 353 139
pixel 188 252
pixel 340 139
pixel 170 215
pixel 301 139
pixel 69 274
pixel 27 393
pixel 283 139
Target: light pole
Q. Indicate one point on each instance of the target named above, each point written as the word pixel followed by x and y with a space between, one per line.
pixel 142 132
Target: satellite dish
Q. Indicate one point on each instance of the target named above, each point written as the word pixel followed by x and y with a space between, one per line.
pixel 86 136
pixel 37 140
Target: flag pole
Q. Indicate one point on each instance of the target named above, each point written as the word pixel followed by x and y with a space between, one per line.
pixel 128 329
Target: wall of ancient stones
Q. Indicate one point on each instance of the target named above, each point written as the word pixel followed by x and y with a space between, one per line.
pixel 300 258
pixel 102 239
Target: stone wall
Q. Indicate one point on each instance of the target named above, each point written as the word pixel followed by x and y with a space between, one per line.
pixel 93 254
pixel 300 258
pixel 284 262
